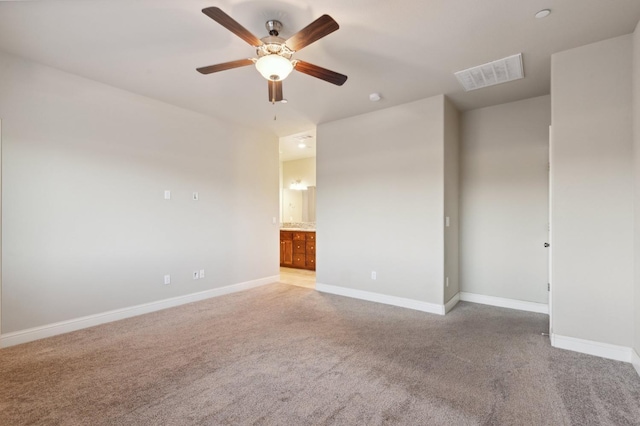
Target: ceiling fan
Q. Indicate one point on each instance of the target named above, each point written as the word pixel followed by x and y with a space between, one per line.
pixel 275 54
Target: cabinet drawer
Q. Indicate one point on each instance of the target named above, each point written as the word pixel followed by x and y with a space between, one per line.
pixel 299 247
pixel 299 260
pixel 286 235
pixel 310 248
pixel 299 236
pixel 311 262
pixel 311 236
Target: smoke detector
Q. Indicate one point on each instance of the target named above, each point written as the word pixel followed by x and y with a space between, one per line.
pixel 491 73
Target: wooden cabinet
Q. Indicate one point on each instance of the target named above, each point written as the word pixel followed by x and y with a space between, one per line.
pixel 298 249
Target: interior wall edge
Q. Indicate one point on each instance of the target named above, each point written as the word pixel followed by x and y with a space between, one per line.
pixel 451 303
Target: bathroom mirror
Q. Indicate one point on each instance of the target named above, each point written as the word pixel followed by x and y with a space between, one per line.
pixel 299 205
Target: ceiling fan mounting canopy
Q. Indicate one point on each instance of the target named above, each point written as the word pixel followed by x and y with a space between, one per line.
pixel 275 54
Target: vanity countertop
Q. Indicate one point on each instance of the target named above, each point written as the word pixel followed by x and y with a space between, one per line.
pixel 299 229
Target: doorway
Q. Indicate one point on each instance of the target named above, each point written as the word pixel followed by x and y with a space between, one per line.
pixel 298 209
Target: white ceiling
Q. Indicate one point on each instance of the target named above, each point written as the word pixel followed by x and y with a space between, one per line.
pixel 405 50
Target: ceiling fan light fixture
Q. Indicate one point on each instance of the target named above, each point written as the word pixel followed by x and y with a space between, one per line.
pixel 274 67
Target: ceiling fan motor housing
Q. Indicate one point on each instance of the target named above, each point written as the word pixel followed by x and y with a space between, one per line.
pixel 273 27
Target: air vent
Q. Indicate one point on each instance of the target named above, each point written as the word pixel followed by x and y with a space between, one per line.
pixel 492 73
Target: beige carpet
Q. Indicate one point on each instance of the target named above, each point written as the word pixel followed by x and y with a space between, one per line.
pixel 286 355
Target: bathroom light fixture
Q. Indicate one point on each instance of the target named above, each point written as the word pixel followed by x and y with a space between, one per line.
pixel 302 145
pixel 298 185
pixel 274 67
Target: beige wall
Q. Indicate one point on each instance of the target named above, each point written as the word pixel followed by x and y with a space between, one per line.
pixel 636 144
pixel 504 201
pixel 592 215
pixel 451 199
pixel 380 204
pixel 86 228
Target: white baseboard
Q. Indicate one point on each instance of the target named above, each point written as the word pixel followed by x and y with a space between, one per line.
pixel 603 350
pixel 31 334
pixel 451 303
pixel 382 298
pixel 635 360
pixel 521 305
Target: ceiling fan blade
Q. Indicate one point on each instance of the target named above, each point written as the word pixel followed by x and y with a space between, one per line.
pixel 232 25
pixel 319 28
pixel 321 73
pixel 275 91
pixel 225 66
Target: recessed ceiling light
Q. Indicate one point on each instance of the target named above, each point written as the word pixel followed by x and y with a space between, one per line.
pixel 302 145
pixel 543 13
pixel 374 97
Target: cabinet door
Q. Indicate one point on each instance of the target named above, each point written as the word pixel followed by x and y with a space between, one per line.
pixel 298 247
pixel 299 260
pixel 311 262
pixel 310 248
pixel 286 253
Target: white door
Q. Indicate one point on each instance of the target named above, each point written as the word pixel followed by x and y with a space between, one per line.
pixel 0 232
pixel 550 237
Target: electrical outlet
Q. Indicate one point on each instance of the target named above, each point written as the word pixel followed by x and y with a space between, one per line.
pixel 167 194
pixel 167 279
pixel 374 275
pixel 196 275
pixel 201 273
pixel 196 196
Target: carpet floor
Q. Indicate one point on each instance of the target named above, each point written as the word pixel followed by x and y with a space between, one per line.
pixel 286 355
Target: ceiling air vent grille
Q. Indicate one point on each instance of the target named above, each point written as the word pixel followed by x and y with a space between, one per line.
pixel 492 73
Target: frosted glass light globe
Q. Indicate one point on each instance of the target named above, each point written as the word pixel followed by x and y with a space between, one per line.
pixel 274 67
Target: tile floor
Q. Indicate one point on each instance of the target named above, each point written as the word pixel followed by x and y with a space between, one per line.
pixel 299 277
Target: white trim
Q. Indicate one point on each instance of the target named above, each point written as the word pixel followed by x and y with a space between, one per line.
pixel 635 360
pixel 451 303
pixel 521 305
pixel 382 298
pixel 604 350
pixel 28 335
